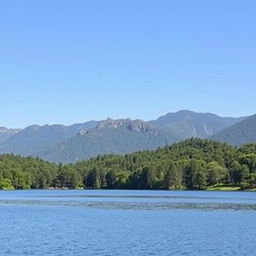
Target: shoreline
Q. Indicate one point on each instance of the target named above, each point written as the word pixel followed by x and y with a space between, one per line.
pixel 209 189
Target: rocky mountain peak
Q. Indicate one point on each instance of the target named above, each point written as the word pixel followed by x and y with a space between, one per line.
pixel 7 131
pixel 132 125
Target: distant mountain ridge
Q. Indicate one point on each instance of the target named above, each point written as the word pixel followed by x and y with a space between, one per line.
pixel 6 133
pixel 240 133
pixel 125 135
pixel 110 136
pixel 132 125
pixel 36 138
pixel 59 143
pixel 187 123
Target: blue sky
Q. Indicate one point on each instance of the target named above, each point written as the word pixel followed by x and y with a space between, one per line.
pixel 73 61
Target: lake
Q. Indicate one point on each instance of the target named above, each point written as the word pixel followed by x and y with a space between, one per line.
pixel 127 222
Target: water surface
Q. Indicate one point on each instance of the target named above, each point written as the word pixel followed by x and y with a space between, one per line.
pixel 122 222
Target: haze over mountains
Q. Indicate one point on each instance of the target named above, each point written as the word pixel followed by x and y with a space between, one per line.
pixel 66 144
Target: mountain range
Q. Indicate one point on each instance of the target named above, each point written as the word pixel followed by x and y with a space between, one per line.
pixel 67 144
pixel 37 138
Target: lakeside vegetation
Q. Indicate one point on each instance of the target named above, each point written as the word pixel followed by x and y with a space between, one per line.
pixel 191 164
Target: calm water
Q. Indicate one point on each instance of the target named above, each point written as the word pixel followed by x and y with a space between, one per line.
pixel 105 222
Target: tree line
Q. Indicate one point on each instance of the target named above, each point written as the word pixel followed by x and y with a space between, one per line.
pixel 191 164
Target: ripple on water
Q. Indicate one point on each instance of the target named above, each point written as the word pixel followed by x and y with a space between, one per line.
pixel 209 225
pixel 207 206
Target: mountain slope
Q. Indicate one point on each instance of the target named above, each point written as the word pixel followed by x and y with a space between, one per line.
pixel 110 136
pixel 6 133
pixel 241 133
pixel 36 138
pixel 61 143
pixel 186 124
pixel 126 135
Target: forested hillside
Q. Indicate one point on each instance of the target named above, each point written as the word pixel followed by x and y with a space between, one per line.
pixel 191 164
pixel 25 172
pixel 240 133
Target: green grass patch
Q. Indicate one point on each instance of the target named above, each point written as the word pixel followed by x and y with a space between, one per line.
pixel 223 188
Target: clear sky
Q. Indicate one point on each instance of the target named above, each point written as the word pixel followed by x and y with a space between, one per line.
pixel 68 61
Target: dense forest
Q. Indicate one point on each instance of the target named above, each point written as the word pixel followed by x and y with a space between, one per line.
pixel 191 164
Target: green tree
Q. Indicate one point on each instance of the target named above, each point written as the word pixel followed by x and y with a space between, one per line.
pixel 238 173
pixel 6 184
pixel 249 160
pixel 172 177
pixel 216 173
pixel 195 175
